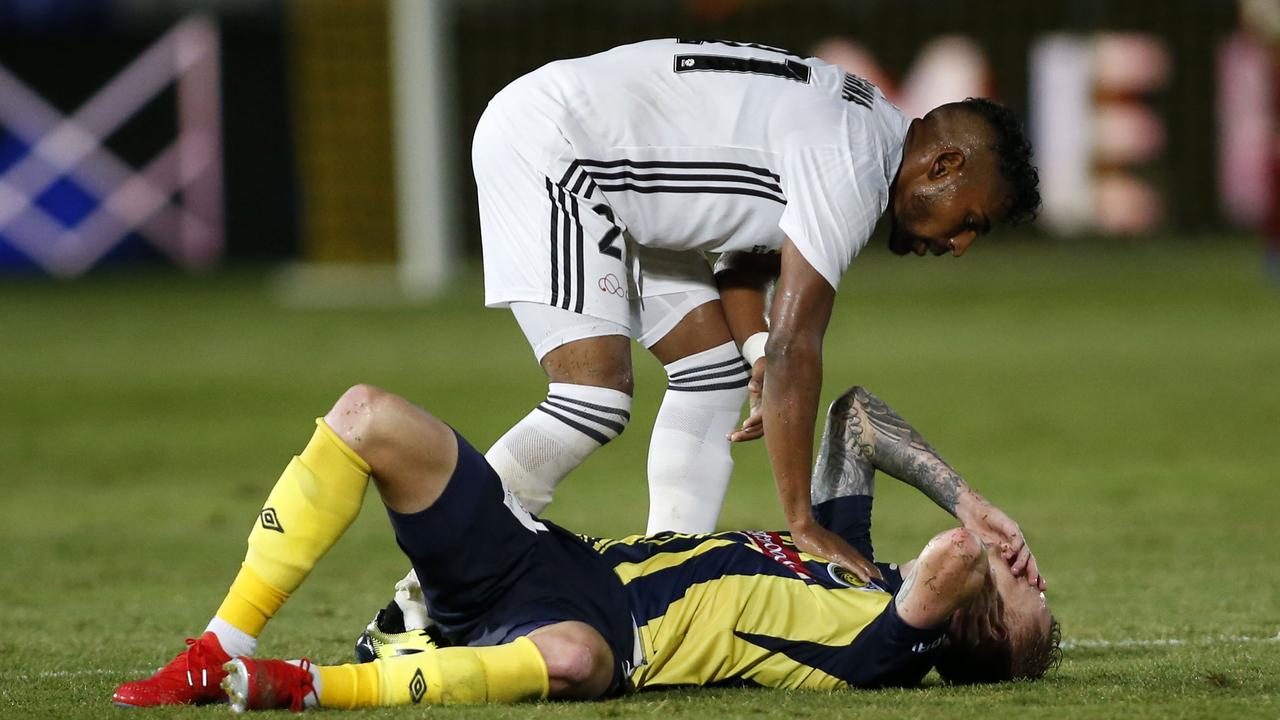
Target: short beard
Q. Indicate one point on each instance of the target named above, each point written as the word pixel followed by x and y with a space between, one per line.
pixel 900 242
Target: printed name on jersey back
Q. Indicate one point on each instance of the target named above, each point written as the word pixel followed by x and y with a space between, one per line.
pixel 720 146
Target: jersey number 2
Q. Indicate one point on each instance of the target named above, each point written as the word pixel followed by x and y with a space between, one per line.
pixel 606 242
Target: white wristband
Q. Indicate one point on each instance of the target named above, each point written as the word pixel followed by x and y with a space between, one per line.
pixel 753 348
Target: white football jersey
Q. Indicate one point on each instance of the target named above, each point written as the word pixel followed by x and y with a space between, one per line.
pixel 716 146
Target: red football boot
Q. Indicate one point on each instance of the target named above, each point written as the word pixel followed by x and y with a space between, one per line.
pixel 253 684
pixel 194 677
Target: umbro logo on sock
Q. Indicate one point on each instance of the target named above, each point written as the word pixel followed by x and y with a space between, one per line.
pixel 269 521
pixel 417 687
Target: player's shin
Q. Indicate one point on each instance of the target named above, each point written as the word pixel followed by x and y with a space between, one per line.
pixel 508 673
pixel 312 504
pixel 689 458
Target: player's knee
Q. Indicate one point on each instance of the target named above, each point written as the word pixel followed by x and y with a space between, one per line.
pixel 597 361
pixel 364 416
pixel 614 375
pixel 579 661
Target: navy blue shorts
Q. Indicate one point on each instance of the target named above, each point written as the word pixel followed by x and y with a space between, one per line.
pixel 490 572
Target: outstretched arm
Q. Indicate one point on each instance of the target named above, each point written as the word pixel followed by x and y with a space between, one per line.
pixel 798 319
pixel 874 437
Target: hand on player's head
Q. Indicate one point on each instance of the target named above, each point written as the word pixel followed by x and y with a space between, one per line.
pixel 1023 644
pixel 1001 532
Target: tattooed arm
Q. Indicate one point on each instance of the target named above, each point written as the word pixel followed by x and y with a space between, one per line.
pixel 844 464
pixel 863 435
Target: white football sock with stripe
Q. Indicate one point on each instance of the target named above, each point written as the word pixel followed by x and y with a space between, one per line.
pixel 535 455
pixel 689 460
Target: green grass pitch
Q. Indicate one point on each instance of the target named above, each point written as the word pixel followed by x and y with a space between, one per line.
pixel 1121 401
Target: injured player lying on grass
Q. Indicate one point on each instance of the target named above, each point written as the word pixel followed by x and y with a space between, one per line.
pixel 526 610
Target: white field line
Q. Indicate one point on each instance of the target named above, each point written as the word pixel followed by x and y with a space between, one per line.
pixel 1165 642
pixel 22 677
pixel 1066 645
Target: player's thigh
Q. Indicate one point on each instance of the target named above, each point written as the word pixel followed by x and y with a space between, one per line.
pixel 701 328
pixel 681 312
pixel 470 545
pixel 545 240
pixel 576 348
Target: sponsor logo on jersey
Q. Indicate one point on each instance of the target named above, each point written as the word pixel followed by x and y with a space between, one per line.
pixel 612 285
pixel 270 521
pixel 771 544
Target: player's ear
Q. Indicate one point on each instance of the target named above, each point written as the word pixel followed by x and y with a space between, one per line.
pixel 946 161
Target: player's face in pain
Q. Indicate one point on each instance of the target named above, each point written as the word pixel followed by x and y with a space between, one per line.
pixel 946 209
pixel 1026 611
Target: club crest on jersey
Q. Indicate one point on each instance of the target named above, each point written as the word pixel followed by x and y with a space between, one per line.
pixel 269 520
pixel 849 580
pixel 417 687
pixel 770 543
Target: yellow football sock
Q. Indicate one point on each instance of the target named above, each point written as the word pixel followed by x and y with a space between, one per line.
pixel 508 673
pixel 314 501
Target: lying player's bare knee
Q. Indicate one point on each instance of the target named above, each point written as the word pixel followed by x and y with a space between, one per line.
pixel 354 414
pixel 368 417
pixel 603 361
pixel 579 661
pixel 410 453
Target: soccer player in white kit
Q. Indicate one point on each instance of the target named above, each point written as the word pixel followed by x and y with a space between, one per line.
pixel 605 181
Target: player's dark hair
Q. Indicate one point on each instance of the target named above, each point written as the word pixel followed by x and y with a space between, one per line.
pixel 968 659
pixel 1013 157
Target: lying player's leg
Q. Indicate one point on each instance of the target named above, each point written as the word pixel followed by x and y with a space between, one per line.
pixel 492 571
pixel 312 504
pixel 413 457
pixel 566 660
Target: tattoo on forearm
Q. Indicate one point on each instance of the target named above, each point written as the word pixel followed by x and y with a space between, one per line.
pixel 888 443
pixel 901 452
pixel 844 464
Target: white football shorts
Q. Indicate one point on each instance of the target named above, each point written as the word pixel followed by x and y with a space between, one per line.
pixel 553 242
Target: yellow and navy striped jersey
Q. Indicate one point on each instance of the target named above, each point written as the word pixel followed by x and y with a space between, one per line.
pixel 748 607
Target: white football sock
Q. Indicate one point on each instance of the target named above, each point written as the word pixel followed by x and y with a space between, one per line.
pixel 236 642
pixel 413 605
pixel 535 455
pixel 689 460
